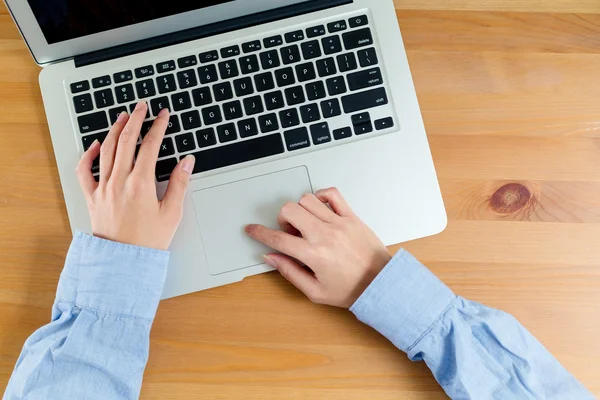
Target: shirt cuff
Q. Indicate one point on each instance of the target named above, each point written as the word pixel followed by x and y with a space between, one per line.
pixel 403 301
pixel 113 277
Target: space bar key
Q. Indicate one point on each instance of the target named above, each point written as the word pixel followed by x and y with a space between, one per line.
pixel 240 152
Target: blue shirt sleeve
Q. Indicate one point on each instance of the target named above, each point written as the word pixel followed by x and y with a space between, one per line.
pixel 96 345
pixel 474 352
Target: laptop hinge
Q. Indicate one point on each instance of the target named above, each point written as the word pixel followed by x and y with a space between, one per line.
pixel 205 31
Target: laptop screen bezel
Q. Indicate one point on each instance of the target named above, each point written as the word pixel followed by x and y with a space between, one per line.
pixel 44 53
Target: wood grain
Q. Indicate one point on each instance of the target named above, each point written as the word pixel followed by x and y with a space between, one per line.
pixel 510 97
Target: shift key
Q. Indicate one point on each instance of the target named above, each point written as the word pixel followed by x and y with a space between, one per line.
pixel 364 100
pixel 92 122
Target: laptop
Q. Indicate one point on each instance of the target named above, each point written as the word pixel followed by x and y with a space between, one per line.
pixel 275 98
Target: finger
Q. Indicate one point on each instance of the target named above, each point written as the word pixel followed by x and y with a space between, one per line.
pixel 296 274
pixel 109 147
pixel 84 169
pixel 336 201
pixel 313 205
pixel 128 140
pixel 178 184
pixel 146 160
pixel 296 216
pixel 281 241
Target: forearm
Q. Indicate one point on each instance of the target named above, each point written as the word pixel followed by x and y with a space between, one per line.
pixel 473 351
pixel 96 346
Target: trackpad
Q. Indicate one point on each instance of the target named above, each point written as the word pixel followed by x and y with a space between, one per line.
pixel 223 212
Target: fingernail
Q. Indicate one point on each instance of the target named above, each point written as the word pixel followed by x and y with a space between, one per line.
pixel 140 105
pixel 270 260
pixel 122 117
pixel 163 112
pixel 247 229
pixel 188 164
pixel 95 143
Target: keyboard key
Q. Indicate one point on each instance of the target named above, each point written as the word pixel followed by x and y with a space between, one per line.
pixel 332 44
pixel 166 84
pixel 315 31
pixel 144 71
pixel 83 103
pixel 273 41
pixel 173 126
pixel 228 69
pixel 191 120
pixel 295 36
pixel 208 56
pixel 343 133
pixel 326 67
pixel 104 98
pixel 233 110
pixel 124 93
pixel 253 105
pixel 187 61
pixel 384 123
pixel 274 100
pixel 315 91
pixel 311 50
pixel 347 62
pixel 212 115
pixel 166 148
pixel 249 64
pixel 247 128
pixel 240 152
pixel 124 76
pixel 89 139
pixel 185 142
pixel 306 72
pixel 331 108
pixel 223 91
pixel 158 104
pixel 145 88
pixel 208 74
pixel 367 57
pixel 361 118
pixel 187 79
pixel 365 79
pixel 364 100
pixel 79 87
pixel 264 82
pixel 227 133
pixel 289 118
pixel 113 113
pixel 337 26
pixel 359 21
pixel 132 107
pixel 297 139
pixel 206 137
pixel 146 126
pixel 285 77
pixel 243 87
pixel 251 46
pixel 365 127
pixel 92 122
pixel 291 54
pixel 101 81
pixel 202 96
pixel 268 123
pixel 294 95
pixel 320 133
pixel 164 169
pixel 165 66
pixel 359 38
pixel 230 51
pixel 270 59
pixel 310 113
pixel 336 85
pixel 181 101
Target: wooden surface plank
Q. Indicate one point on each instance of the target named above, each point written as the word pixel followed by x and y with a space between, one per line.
pixel 510 102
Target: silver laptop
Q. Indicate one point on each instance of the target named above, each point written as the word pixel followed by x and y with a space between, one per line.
pixel 275 98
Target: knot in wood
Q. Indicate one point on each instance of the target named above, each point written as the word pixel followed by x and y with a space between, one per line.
pixel 510 198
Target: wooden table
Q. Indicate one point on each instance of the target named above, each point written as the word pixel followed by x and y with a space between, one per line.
pixel 510 94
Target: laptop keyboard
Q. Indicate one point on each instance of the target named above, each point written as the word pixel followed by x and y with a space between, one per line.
pixel 302 89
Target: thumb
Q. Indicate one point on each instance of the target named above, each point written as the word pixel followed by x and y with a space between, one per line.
pixel 178 184
pixel 296 274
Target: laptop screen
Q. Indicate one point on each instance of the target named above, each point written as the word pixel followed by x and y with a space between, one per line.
pixel 62 20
